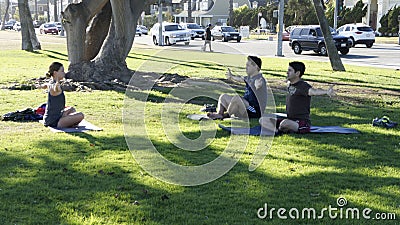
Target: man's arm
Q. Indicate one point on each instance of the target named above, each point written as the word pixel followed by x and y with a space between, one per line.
pixel 330 92
pixel 232 77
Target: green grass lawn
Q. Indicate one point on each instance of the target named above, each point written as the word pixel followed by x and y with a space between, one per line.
pixel 93 178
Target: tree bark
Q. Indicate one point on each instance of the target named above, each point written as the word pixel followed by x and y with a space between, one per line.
pixel 189 19
pixel 109 43
pixel 26 40
pixel 97 32
pixel 231 13
pixel 32 34
pixel 5 14
pixel 29 38
pixel 76 18
pixel 336 62
pixel 112 56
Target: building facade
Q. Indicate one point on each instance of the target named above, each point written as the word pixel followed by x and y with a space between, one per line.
pixel 209 11
pixel 376 9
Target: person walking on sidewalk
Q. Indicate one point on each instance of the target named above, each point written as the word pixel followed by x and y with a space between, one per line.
pixel 207 39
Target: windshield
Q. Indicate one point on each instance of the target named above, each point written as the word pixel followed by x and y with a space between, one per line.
pixel 49 25
pixel 228 29
pixel 193 26
pixel 368 29
pixel 173 27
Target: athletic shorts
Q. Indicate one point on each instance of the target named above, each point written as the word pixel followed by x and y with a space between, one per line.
pixel 304 126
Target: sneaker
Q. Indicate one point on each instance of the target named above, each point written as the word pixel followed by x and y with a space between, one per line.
pixel 209 108
pixel 383 122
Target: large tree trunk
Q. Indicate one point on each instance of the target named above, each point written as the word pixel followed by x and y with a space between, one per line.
pixel 76 18
pixel 189 18
pixel 5 18
pixel 333 54
pixel 109 43
pixel 120 39
pixel 230 12
pixel 29 39
pixel 26 40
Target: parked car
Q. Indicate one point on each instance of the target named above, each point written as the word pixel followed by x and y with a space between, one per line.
pixel 285 35
pixel 17 26
pixel 172 33
pixel 195 30
pixel 48 28
pixel 306 38
pixel 58 25
pixel 225 33
pixel 9 25
pixel 138 31
pixel 143 29
pixel 358 34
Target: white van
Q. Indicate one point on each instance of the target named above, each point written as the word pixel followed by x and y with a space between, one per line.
pixel 172 33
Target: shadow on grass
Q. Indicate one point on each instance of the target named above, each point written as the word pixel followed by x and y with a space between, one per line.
pixel 71 180
pixel 155 58
pixel 53 54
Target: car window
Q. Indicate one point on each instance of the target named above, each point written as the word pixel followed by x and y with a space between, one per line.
pixel 228 29
pixel 193 26
pixel 367 29
pixel 347 28
pixel 319 32
pixel 304 31
pixel 296 32
pixel 312 32
pixel 340 29
pixel 173 27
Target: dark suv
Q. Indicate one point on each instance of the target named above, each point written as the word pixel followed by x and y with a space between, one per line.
pixel 310 38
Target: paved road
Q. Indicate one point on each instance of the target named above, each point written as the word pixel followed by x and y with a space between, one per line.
pixel 380 55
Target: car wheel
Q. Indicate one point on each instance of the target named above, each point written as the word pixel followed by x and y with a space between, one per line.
pixel 203 38
pixel 225 39
pixel 155 40
pixel 344 51
pixel 192 38
pixel 140 35
pixel 187 43
pixel 353 42
pixel 369 45
pixel 238 40
pixel 40 31
pixel 167 41
pixel 322 50
pixel 297 48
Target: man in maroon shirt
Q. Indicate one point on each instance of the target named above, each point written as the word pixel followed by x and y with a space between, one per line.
pixel 298 101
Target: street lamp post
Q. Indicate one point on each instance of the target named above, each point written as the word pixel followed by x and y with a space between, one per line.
pixel 398 19
pixel 160 20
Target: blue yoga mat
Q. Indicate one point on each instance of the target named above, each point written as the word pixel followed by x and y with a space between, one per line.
pixel 257 130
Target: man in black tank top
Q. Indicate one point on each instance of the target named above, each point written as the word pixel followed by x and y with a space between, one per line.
pixel 298 102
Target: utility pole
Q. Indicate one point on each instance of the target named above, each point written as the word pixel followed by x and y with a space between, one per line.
pixel 62 26
pixel 160 19
pixel 189 19
pixel 48 10
pixel 55 11
pixel 280 22
pixel 36 10
pixel 335 14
